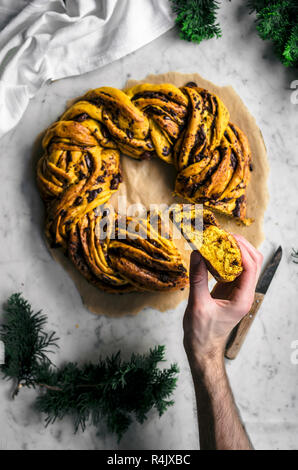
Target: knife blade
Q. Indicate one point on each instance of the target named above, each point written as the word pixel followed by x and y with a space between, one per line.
pixel 240 331
pixel 268 274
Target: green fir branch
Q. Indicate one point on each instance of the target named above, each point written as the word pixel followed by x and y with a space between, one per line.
pixel 277 21
pixel 196 19
pixel 26 342
pixel 290 53
pixel 111 391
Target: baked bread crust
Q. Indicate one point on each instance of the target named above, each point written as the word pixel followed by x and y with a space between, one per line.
pixel 80 170
pixel 220 178
pixel 138 260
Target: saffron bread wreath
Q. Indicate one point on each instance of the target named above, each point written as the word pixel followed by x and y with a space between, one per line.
pixel 79 171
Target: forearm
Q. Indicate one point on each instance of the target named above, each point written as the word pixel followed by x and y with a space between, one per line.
pixel 219 422
pixel 208 321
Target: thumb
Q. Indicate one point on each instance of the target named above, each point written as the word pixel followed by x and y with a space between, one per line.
pixel 198 279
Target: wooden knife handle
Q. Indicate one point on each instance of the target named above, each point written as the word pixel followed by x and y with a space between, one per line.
pixel 240 331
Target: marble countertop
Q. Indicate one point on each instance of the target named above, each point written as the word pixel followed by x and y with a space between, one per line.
pixel 263 378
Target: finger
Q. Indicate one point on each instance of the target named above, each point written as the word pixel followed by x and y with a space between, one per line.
pixel 198 279
pixel 246 283
pixel 254 253
pixel 223 290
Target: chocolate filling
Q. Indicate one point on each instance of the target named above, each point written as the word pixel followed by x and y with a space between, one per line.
pixel 100 179
pixel 89 162
pixel 237 210
pixel 116 181
pixel 146 155
pixel 129 134
pixel 233 160
pixel 191 85
pixel 165 151
pixel 82 117
pixel 234 130
pixel 78 201
pixel 93 193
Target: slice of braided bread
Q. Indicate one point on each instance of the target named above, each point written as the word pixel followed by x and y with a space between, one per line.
pixel 218 247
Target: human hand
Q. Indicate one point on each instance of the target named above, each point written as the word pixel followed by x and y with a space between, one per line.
pixel 210 317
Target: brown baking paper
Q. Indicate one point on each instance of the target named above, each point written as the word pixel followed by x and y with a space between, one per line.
pixel 152 182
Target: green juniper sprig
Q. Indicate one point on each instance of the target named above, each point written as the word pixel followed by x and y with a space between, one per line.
pixel 26 343
pixel 290 53
pixel 277 20
pixel 196 19
pixel 112 391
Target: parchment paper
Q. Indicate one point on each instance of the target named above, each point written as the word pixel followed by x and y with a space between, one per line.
pixel 152 182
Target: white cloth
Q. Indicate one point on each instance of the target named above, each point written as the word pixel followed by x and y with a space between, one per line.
pixel 50 39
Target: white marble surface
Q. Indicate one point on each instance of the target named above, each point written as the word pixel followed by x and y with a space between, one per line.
pixel 263 379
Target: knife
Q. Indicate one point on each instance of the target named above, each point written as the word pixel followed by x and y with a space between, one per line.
pixel 240 331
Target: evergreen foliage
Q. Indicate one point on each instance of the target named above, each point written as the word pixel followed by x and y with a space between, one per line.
pixel 196 19
pixel 277 21
pixel 26 342
pixel 111 391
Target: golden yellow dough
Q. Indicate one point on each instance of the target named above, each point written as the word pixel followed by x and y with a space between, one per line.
pixel 141 261
pixel 221 253
pixel 218 247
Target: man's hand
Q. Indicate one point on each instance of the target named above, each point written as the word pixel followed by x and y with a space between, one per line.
pixel 210 318
pixel 208 322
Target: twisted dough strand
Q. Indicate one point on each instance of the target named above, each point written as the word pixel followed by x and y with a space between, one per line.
pixel 142 261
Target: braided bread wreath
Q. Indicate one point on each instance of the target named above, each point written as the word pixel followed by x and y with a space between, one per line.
pixel 187 127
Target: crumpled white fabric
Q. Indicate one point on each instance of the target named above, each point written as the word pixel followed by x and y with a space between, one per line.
pixel 43 40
